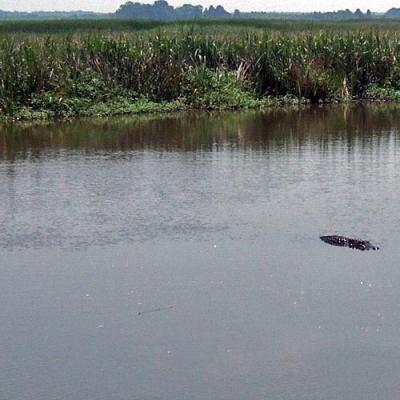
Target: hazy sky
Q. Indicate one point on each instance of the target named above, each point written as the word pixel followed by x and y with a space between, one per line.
pixel 262 5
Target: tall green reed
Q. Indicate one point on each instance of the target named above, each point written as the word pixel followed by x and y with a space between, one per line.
pixel 156 64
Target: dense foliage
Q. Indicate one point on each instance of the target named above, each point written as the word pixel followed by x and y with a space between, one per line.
pixel 161 10
pixel 94 73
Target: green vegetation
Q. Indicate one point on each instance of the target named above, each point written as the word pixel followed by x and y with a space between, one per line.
pixel 68 26
pixel 150 66
pixel 114 25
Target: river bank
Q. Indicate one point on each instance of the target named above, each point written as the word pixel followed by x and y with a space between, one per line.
pixel 70 109
pixel 65 76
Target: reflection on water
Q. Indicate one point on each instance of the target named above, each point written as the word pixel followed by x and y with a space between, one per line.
pixel 211 221
pixel 107 181
pixel 273 129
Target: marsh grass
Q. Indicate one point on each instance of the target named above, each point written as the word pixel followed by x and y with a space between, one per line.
pixel 201 65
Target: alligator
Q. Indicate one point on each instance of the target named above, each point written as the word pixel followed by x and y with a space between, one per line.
pixel 347 242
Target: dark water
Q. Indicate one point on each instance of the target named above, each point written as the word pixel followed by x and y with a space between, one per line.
pixel 208 226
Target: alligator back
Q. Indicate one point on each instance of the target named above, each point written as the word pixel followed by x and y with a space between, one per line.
pixel 348 242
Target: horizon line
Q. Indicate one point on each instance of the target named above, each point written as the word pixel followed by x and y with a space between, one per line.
pixel 204 7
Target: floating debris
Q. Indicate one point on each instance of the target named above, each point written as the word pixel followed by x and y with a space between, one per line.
pixel 342 241
pixel 157 309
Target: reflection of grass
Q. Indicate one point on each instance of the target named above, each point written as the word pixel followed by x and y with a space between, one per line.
pixel 161 67
pixel 200 131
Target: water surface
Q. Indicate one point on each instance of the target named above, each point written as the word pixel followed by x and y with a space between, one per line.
pixel 207 225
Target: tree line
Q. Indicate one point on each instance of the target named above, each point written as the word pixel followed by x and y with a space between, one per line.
pixel 162 11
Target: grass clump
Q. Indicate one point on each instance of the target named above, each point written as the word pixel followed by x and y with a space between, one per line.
pixel 204 88
pixel 376 93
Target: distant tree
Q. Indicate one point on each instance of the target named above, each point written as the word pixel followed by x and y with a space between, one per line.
pixel 216 12
pixel 392 13
pixel 345 14
pixel 161 10
pixel 359 14
pixel 187 11
pixel 134 10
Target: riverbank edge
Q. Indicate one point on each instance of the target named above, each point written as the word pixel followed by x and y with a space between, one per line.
pixel 143 106
pixel 125 107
